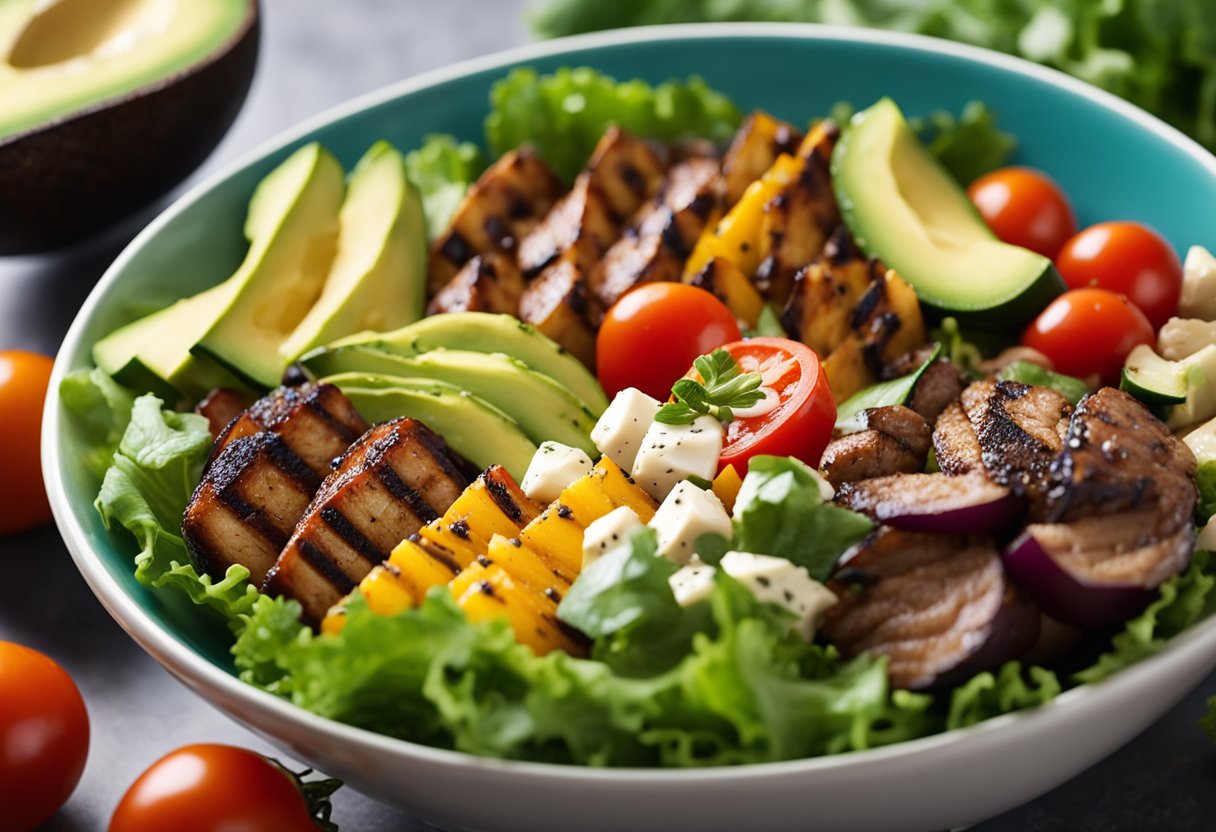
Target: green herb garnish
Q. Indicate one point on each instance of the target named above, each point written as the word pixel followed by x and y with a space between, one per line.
pixel 723 388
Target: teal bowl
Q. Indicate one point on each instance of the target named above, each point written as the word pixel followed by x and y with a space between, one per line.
pixel 1113 159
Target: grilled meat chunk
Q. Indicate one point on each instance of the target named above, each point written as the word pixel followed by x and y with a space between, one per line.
pixel 934 503
pixel 626 169
pixel 394 479
pixel 655 250
pixel 556 304
pixel 220 407
pixel 1118 457
pixel 939 608
pixel 798 220
pixel 939 385
pixel 499 210
pixel 490 282
pixel 316 421
pixel 1020 429
pixel 954 442
pixel 893 440
pixel 578 230
pixel 756 145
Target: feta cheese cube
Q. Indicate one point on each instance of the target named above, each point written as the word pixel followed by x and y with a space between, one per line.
pixel 686 514
pixel 619 432
pixel 608 532
pixel 671 453
pixel 1198 285
pixel 553 467
pixel 692 584
pixel 777 581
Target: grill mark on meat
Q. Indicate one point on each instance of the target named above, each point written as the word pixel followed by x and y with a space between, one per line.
pixel 1019 429
pixel 252 517
pixel 954 442
pixel 325 565
pixel 317 406
pixel 286 461
pixel 401 491
pixel 354 538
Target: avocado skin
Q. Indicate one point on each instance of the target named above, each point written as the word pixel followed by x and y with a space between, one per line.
pixel 73 178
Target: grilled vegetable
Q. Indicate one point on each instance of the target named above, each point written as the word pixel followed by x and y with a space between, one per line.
pixel 934 503
pixel 939 608
pixel 500 209
pixel 489 592
pixel 753 150
pixel 490 282
pixel 398 476
pixel 729 284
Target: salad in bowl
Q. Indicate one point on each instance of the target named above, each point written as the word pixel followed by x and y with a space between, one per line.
pixel 665 432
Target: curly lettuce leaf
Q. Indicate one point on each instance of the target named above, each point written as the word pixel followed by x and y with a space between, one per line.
pixel 1010 689
pixel 563 115
pixel 101 409
pixel 780 511
pixel 746 691
pixel 442 170
pixel 1205 479
pixel 967 145
pixel 1183 601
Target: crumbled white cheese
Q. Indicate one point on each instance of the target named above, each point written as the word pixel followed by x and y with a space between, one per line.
pixel 608 532
pixel 777 581
pixel 554 466
pixel 1181 338
pixel 1198 285
pixel 692 583
pixel 620 431
pixel 686 514
pixel 673 453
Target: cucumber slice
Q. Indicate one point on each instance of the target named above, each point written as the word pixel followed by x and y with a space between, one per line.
pixel 1152 379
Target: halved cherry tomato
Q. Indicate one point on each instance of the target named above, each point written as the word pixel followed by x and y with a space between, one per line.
pixel 213 787
pixel 44 737
pixel 1024 207
pixel 24 377
pixel 800 424
pixel 1089 331
pixel 1130 259
pixel 650 337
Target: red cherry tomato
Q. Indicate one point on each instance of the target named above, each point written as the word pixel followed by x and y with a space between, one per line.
pixel 213 787
pixel 24 377
pixel 801 423
pixel 650 337
pixel 44 737
pixel 1127 258
pixel 1025 208
pixel 1088 331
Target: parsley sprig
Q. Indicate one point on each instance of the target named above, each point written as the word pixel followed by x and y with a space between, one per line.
pixel 723 388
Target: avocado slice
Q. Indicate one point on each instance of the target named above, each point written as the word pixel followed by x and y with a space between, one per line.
pixel 378 279
pixel 153 353
pixel 543 408
pixel 903 208
pixel 123 98
pixel 486 332
pixel 292 229
pixel 473 428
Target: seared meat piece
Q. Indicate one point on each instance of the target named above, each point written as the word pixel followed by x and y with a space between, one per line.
pixel 499 210
pixel 220 407
pixel 939 608
pixel 934 503
pixel 490 282
pixel 250 498
pixel 626 169
pixel 556 304
pixel 316 422
pixel 893 440
pixel 1020 429
pixel 1119 457
pixel 939 386
pixel 579 229
pixel 655 250
pixel 753 150
pixel 954 442
pixel 397 477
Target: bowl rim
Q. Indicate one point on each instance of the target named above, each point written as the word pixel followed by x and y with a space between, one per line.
pixel 200 675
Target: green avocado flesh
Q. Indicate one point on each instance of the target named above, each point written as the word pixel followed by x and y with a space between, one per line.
pixel 904 209
pixel 473 428
pixel 485 332
pixel 292 229
pixel 77 54
pixel 543 408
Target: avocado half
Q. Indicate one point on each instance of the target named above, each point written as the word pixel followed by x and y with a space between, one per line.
pixel 106 105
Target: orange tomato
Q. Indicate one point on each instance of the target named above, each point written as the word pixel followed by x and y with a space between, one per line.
pixel 24 377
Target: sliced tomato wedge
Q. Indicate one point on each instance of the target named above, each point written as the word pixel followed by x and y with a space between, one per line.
pixel 799 413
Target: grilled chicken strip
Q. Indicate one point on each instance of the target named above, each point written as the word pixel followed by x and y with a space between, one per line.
pixel 1118 457
pixel 894 440
pixel 264 470
pixel 954 442
pixel 939 608
pixel 1020 429
pixel 395 478
pixel 490 282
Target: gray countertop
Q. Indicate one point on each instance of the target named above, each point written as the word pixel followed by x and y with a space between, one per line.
pixel 317 53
